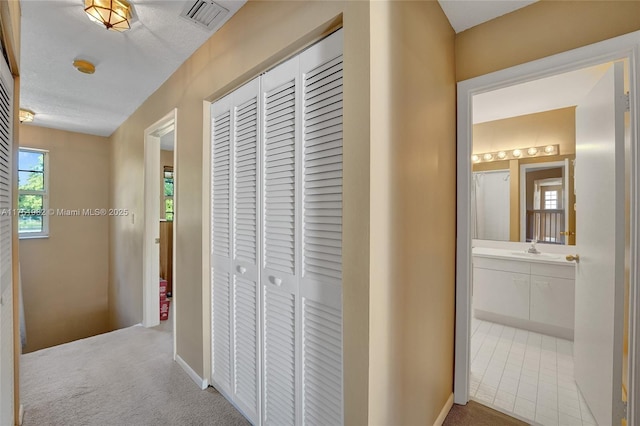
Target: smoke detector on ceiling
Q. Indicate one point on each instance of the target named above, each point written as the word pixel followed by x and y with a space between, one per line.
pixel 204 13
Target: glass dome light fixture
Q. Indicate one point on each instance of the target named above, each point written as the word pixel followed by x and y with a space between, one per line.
pixel 532 151
pixel 502 155
pixel 114 15
pixel 475 158
pixel 26 116
pixel 516 153
pixel 488 156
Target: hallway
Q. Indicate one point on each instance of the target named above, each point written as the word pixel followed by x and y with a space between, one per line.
pixel 125 377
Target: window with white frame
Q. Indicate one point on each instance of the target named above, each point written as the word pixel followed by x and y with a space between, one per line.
pixel 551 200
pixel 168 193
pixel 33 193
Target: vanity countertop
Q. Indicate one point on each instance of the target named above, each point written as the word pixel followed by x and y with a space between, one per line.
pixel 521 255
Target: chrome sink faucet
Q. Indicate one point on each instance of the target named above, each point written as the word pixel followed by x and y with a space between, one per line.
pixel 533 249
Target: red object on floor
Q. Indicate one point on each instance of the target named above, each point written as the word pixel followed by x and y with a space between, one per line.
pixel 163 289
pixel 164 309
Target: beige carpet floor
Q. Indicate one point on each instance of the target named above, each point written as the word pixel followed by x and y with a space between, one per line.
pixel 123 378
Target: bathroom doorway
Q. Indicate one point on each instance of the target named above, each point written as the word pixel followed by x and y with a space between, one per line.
pixel 521 302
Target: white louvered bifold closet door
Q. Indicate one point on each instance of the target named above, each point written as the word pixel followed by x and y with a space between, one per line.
pixel 321 207
pixel 280 265
pixel 235 248
pixel 277 179
pixel 6 294
pixel 246 292
pixel 221 228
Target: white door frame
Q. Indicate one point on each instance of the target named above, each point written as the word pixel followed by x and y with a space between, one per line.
pixel 623 47
pixel 151 255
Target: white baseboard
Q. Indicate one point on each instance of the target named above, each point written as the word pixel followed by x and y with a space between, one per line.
pixel 202 383
pixel 445 410
pixel 20 415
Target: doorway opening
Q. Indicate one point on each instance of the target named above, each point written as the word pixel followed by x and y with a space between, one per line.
pixel 525 328
pixel 160 201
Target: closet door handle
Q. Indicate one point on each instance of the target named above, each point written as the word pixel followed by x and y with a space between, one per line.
pixel 241 269
pixel 275 280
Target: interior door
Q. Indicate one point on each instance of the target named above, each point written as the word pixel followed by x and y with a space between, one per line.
pixel 246 293
pixel 221 239
pixel 600 203
pixel 280 265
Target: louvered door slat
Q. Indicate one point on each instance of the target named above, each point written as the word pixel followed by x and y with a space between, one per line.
pixel 221 166
pixel 221 316
pixel 279 353
pixel 246 197
pixel 322 363
pixel 279 175
pixel 245 338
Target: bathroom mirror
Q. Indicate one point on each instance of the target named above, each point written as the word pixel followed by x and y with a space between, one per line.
pixel 522 180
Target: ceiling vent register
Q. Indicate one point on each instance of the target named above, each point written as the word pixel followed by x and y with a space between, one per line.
pixel 204 13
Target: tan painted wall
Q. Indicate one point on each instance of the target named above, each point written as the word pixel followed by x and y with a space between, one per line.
pixel 543 128
pixel 166 159
pixel 412 212
pixel 541 29
pixel 65 276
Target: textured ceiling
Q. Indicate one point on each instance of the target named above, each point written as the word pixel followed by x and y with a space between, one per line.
pixel 464 14
pixel 130 66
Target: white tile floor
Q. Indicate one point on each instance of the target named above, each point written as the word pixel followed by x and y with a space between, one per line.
pixel 527 374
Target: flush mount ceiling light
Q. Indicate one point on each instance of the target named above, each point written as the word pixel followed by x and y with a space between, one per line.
pixel 115 15
pixel 26 116
pixel 84 66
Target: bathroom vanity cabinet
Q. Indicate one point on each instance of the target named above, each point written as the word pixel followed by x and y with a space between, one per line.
pixel 534 293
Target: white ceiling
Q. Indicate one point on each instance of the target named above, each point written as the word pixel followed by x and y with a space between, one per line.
pixel 130 66
pixel 464 14
pixel 559 91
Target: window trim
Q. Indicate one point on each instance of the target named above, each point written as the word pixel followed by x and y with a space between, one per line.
pixel 45 196
pixel 551 200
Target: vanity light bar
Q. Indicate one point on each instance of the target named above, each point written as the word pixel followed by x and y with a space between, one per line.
pixel 515 154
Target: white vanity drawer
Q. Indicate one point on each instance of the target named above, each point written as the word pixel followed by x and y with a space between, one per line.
pixel 558 271
pixel 501 265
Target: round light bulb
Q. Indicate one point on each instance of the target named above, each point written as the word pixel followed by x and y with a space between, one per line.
pixel 549 149
pixel 502 155
pixel 488 157
pixel 532 151
pixel 475 158
pixel 517 153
